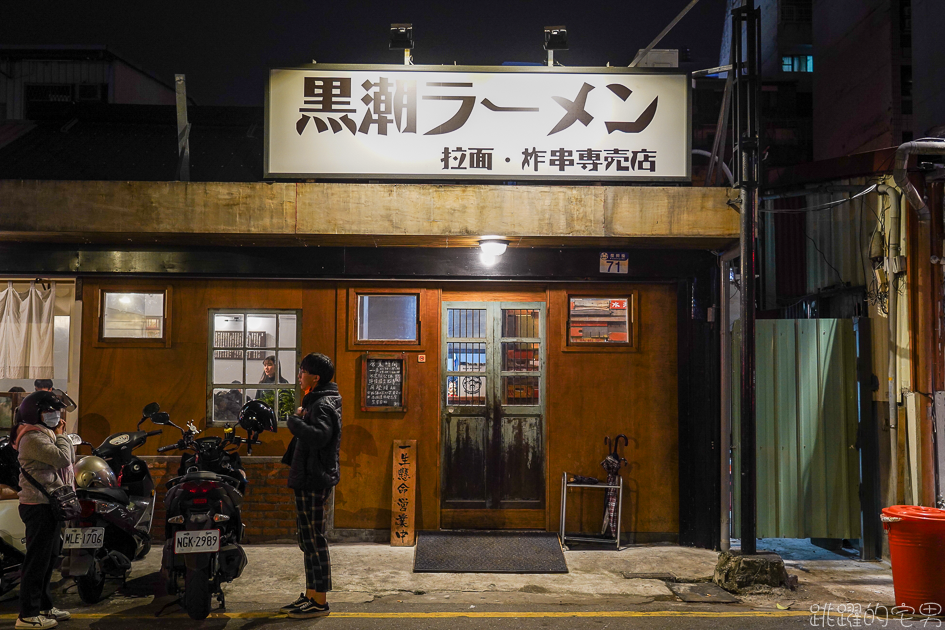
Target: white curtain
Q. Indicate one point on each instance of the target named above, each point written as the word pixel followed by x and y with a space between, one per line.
pixel 26 332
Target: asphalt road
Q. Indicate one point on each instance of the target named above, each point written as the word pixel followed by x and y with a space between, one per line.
pixel 135 606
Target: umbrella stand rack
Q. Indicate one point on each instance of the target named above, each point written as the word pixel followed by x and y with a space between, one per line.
pixel 565 485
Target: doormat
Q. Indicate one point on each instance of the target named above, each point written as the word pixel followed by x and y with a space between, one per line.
pixel 488 552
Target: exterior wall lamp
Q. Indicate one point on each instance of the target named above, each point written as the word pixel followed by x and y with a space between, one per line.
pixel 490 248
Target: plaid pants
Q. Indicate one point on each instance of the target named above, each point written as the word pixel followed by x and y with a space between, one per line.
pixel 311 527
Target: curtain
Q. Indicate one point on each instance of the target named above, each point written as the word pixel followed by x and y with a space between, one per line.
pixel 26 332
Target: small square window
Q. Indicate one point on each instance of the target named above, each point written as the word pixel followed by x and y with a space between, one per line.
pixel 388 318
pixel 787 64
pixel 133 315
pixel 599 320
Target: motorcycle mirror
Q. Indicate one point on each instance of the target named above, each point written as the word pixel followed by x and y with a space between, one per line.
pixel 75 438
pixel 150 409
pixel 161 417
pixel 64 399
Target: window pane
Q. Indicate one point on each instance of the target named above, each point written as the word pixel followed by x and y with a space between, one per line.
pixel 287 404
pixel 228 330
pixel 786 64
pixel 287 365
pixel 521 357
pixel 287 327
pixel 520 323
pixel 260 333
pixel 255 369
pixel 227 404
pixel 228 367
pixel 133 315
pixel 466 322
pixel 387 317
pixel 520 390
pixel 466 357
pixel 466 390
pixel 599 320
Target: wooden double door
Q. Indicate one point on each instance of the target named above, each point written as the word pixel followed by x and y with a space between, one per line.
pixel 492 415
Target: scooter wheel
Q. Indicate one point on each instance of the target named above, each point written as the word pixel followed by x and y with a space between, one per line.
pixel 197 594
pixel 90 587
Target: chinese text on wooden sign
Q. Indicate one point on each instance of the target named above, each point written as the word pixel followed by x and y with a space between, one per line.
pixel 403 496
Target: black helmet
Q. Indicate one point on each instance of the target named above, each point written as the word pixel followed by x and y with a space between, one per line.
pixel 256 417
pixel 41 408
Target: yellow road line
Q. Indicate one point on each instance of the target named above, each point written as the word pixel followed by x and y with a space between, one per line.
pixel 483 615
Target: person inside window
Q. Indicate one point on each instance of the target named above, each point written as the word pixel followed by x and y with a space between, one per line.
pixel 270 370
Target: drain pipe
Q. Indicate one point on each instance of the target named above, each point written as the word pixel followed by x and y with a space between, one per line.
pixel 897 208
pixel 892 254
pixel 725 259
pixel 923 145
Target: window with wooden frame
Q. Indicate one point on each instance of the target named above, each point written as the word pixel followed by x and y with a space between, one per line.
pixel 254 355
pixel 602 321
pixel 134 317
pixel 385 318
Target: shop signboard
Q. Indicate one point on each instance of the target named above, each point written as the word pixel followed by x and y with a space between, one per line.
pixel 490 123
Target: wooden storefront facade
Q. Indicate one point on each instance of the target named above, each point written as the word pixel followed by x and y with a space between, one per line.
pixel 661 390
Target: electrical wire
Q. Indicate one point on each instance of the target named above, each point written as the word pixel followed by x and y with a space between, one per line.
pixel 825 206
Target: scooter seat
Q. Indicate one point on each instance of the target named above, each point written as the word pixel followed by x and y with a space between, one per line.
pixel 113 495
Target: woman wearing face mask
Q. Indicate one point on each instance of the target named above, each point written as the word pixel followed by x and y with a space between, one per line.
pixel 47 455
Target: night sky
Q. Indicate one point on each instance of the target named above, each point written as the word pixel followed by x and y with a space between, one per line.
pixel 225 49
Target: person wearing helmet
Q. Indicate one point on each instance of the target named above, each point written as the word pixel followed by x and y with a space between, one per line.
pixel 313 459
pixel 47 455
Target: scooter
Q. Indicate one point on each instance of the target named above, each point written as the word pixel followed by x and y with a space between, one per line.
pixel 116 492
pixel 204 526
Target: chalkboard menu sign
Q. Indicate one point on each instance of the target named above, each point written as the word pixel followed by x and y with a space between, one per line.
pixel 383 382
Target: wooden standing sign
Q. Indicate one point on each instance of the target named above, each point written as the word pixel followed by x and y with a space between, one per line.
pixel 384 382
pixel 403 531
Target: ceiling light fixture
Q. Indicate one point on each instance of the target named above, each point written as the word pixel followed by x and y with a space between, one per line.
pixel 493 245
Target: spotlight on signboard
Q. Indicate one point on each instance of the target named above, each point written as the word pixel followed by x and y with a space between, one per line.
pixel 401 38
pixel 556 38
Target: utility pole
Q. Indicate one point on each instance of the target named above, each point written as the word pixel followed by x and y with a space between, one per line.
pixel 745 84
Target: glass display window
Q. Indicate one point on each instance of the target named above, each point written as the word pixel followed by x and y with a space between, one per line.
pixel 600 320
pixel 254 355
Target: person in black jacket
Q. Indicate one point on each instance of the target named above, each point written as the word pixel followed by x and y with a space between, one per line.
pixel 314 469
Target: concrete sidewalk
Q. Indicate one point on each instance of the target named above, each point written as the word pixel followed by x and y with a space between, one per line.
pixel 364 572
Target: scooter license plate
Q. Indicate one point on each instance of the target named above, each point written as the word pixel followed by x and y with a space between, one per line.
pixel 83 538
pixel 199 541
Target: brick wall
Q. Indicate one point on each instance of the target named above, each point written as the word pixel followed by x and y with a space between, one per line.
pixel 268 505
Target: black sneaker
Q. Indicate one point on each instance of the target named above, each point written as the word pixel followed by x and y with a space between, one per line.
pixel 309 609
pixel 294 605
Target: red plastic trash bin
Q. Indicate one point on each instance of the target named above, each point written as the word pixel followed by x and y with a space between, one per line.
pixel 917 551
